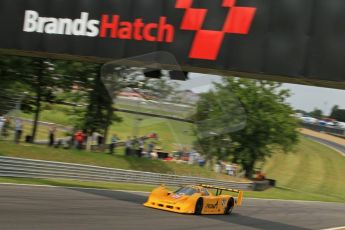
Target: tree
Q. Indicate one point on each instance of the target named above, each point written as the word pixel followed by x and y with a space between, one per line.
pixel 316 113
pixel 99 113
pixel 38 78
pixel 338 114
pixel 22 75
pixel 7 95
pixel 270 125
pixel 39 74
pixel 11 73
pixel 334 108
pixel 44 79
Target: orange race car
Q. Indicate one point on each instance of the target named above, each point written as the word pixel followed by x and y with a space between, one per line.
pixel 194 199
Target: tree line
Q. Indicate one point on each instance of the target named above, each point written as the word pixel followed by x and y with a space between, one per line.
pixel 336 113
pixel 39 80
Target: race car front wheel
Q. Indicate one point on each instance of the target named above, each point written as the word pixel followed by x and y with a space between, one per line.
pixel 198 207
pixel 230 206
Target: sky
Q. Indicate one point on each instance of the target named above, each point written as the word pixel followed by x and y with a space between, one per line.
pixel 303 97
pixel 309 97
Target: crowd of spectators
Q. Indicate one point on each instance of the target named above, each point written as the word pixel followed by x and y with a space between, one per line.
pixel 145 146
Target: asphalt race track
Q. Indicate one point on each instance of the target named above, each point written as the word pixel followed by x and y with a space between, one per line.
pixel 28 207
pixel 336 146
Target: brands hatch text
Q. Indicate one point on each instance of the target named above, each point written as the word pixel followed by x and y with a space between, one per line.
pixel 206 43
pixel 108 26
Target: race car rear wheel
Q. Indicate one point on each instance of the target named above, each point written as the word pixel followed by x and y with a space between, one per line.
pixel 198 206
pixel 230 206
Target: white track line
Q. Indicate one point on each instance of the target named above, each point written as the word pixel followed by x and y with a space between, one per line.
pixel 337 228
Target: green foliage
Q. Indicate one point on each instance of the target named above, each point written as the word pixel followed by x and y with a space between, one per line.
pixel 100 112
pixel 269 127
pixel 45 80
pixel 338 114
pixel 10 91
pixel 316 113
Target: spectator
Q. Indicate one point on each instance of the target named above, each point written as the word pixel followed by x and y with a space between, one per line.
pixel 193 156
pixel 141 144
pixel 18 131
pixel 150 148
pixel 230 170
pixel 217 167
pixel 79 138
pixel 100 139
pixel 67 142
pixel 128 146
pixel 113 143
pixel 52 130
pixel 2 124
pixel 201 162
pixel 154 154
pixel 135 146
pixel 96 141
pixel 6 127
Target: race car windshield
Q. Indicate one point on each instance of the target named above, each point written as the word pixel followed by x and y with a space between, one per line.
pixel 186 191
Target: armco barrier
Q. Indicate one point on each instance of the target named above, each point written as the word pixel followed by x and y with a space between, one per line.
pixel 27 168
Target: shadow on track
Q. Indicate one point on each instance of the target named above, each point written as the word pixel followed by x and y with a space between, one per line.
pixel 116 195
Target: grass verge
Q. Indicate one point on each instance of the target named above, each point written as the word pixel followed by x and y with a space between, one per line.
pixel 312 172
pixel 118 160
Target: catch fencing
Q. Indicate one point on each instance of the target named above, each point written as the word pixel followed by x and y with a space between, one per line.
pixel 27 168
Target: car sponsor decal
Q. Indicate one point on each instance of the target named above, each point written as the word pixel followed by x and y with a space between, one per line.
pixel 176 196
pixel 224 202
pixel 212 206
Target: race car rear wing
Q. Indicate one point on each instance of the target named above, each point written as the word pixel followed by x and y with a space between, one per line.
pixel 219 191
